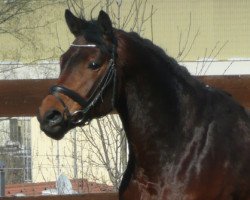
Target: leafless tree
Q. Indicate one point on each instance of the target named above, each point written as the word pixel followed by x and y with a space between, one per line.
pixel 106 148
pixel 134 18
pixel 11 11
pixel 187 39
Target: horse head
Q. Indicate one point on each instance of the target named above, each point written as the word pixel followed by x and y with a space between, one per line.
pixel 85 86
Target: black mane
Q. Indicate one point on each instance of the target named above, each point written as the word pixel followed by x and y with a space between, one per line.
pixel 165 67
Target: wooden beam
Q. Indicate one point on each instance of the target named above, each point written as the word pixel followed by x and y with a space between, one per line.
pixel 237 86
pixel 23 97
pixel 90 196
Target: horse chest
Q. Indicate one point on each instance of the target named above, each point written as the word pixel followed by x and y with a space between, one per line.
pixel 155 191
pixel 168 185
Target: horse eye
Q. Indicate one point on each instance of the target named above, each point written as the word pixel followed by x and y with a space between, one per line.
pixel 94 65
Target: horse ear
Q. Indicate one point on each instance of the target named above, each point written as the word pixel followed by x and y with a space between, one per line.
pixel 75 24
pixel 105 22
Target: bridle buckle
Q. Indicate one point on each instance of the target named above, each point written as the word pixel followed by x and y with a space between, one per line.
pixel 78 117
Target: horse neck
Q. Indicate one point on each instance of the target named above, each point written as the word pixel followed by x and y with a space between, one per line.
pixel 153 108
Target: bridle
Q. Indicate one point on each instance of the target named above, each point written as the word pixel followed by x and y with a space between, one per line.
pixel 79 117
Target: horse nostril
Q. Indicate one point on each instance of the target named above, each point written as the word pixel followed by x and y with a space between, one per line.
pixel 53 117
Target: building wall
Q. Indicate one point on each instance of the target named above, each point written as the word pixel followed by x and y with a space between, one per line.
pixel 15 149
pixel 77 155
pixel 211 24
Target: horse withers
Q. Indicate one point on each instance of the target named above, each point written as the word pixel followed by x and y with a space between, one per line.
pixel 186 141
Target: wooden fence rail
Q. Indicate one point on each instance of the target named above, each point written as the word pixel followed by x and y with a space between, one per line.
pixel 90 196
pixel 22 97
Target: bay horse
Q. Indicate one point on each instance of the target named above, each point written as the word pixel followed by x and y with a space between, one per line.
pixel 187 141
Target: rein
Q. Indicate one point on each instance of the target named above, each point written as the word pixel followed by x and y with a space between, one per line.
pixel 78 117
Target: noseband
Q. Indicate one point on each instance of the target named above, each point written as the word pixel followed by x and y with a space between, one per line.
pixel 79 117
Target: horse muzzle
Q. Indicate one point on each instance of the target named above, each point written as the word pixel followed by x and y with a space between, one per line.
pixel 53 124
